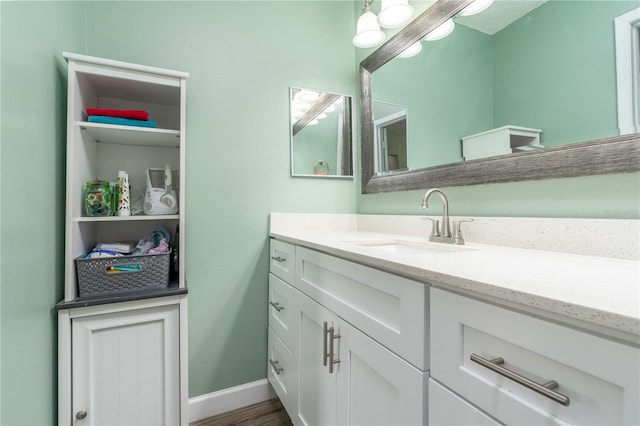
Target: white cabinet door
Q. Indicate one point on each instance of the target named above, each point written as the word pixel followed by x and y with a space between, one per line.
pixel 375 386
pixel 370 385
pixel 126 368
pixel 316 386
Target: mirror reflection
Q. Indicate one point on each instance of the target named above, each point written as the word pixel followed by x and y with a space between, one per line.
pixel 516 77
pixel 321 133
pixel 390 137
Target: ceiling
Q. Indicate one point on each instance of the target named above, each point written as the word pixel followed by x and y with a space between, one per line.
pixel 499 15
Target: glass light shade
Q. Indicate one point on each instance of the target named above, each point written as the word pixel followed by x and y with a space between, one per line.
pixel 441 31
pixel 306 96
pixel 412 50
pixel 368 33
pixel 395 13
pixel 476 7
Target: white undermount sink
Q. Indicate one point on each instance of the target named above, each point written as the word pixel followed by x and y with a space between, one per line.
pixel 409 248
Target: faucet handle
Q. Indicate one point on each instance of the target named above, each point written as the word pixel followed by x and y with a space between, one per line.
pixel 435 226
pixel 457 235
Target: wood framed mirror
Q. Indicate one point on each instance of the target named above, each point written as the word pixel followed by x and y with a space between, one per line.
pixel 587 156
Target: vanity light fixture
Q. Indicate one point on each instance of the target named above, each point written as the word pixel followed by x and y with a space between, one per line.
pixel 368 33
pixel 476 7
pixel 395 13
pixel 441 31
pixel 412 50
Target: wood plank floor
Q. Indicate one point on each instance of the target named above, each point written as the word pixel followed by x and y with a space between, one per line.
pixel 267 413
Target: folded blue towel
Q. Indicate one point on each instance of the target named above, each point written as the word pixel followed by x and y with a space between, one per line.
pixel 121 121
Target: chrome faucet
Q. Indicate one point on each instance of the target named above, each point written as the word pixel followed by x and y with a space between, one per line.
pixel 445 230
pixel 441 232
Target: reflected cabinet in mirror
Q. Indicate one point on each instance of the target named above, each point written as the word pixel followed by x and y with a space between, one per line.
pixel 321 133
pixel 521 91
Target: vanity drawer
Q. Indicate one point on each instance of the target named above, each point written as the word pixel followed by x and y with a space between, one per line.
pixel 598 376
pixel 281 318
pixel 448 409
pixel 282 260
pixel 282 371
pixel 390 309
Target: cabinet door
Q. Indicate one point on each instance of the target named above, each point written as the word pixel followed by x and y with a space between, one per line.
pixel 316 386
pixel 126 368
pixel 375 386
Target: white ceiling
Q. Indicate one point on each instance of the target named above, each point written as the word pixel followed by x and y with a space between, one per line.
pixel 500 14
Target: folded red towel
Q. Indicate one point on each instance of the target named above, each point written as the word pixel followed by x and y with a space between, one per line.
pixel 132 114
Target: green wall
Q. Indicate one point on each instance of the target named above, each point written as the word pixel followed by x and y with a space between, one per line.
pixel 33 131
pixel 456 71
pixel 242 57
pixel 537 64
pixel 317 142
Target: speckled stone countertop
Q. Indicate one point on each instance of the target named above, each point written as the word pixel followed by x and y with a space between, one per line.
pixel 597 291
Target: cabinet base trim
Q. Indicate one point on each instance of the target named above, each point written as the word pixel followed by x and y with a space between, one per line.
pixel 211 404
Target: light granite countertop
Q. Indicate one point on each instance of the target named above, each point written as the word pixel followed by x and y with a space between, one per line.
pixel 598 293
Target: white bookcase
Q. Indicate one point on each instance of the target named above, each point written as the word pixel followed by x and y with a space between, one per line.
pixel 91 331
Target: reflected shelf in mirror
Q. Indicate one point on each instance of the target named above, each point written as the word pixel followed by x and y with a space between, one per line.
pixel 321 134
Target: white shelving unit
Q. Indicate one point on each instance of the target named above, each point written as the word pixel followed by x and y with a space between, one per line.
pixel 96 364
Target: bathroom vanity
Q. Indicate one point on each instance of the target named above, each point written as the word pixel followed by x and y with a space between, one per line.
pixel 386 328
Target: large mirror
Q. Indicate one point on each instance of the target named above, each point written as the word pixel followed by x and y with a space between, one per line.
pixel 510 94
pixel 321 133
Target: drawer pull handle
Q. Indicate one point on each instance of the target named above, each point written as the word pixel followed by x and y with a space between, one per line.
pixel 274 364
pixel 276 306
pixel 546 389
pixel 279 259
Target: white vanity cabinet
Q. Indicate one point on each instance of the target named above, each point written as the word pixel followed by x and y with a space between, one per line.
pixel 483 353
pixel 282 337
pixel 352 351
pixel 122 355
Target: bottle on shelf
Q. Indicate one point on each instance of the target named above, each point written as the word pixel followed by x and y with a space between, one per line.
pixel 321 168
pixel 124 202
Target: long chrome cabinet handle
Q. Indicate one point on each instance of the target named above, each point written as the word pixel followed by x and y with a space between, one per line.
pixel 279 259
pixel 332 360
pixel 274 364
pixel 545 389
pixel 276 305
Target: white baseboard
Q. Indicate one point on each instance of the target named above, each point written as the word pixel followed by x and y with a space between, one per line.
pixel 211 404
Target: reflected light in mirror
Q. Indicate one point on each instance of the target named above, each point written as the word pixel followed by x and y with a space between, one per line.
pixel 395 13
pixel 412 50
pixel 476 7
pixel 368 33
pixel 441 31
pixel 306 96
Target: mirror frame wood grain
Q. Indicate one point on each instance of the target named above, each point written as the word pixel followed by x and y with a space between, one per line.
pixel 618 154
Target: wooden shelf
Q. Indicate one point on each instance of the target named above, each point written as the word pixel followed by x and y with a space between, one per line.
pixel 127 218
pixel 131 135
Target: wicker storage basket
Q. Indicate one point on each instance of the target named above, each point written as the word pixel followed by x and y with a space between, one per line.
pixel 109 275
